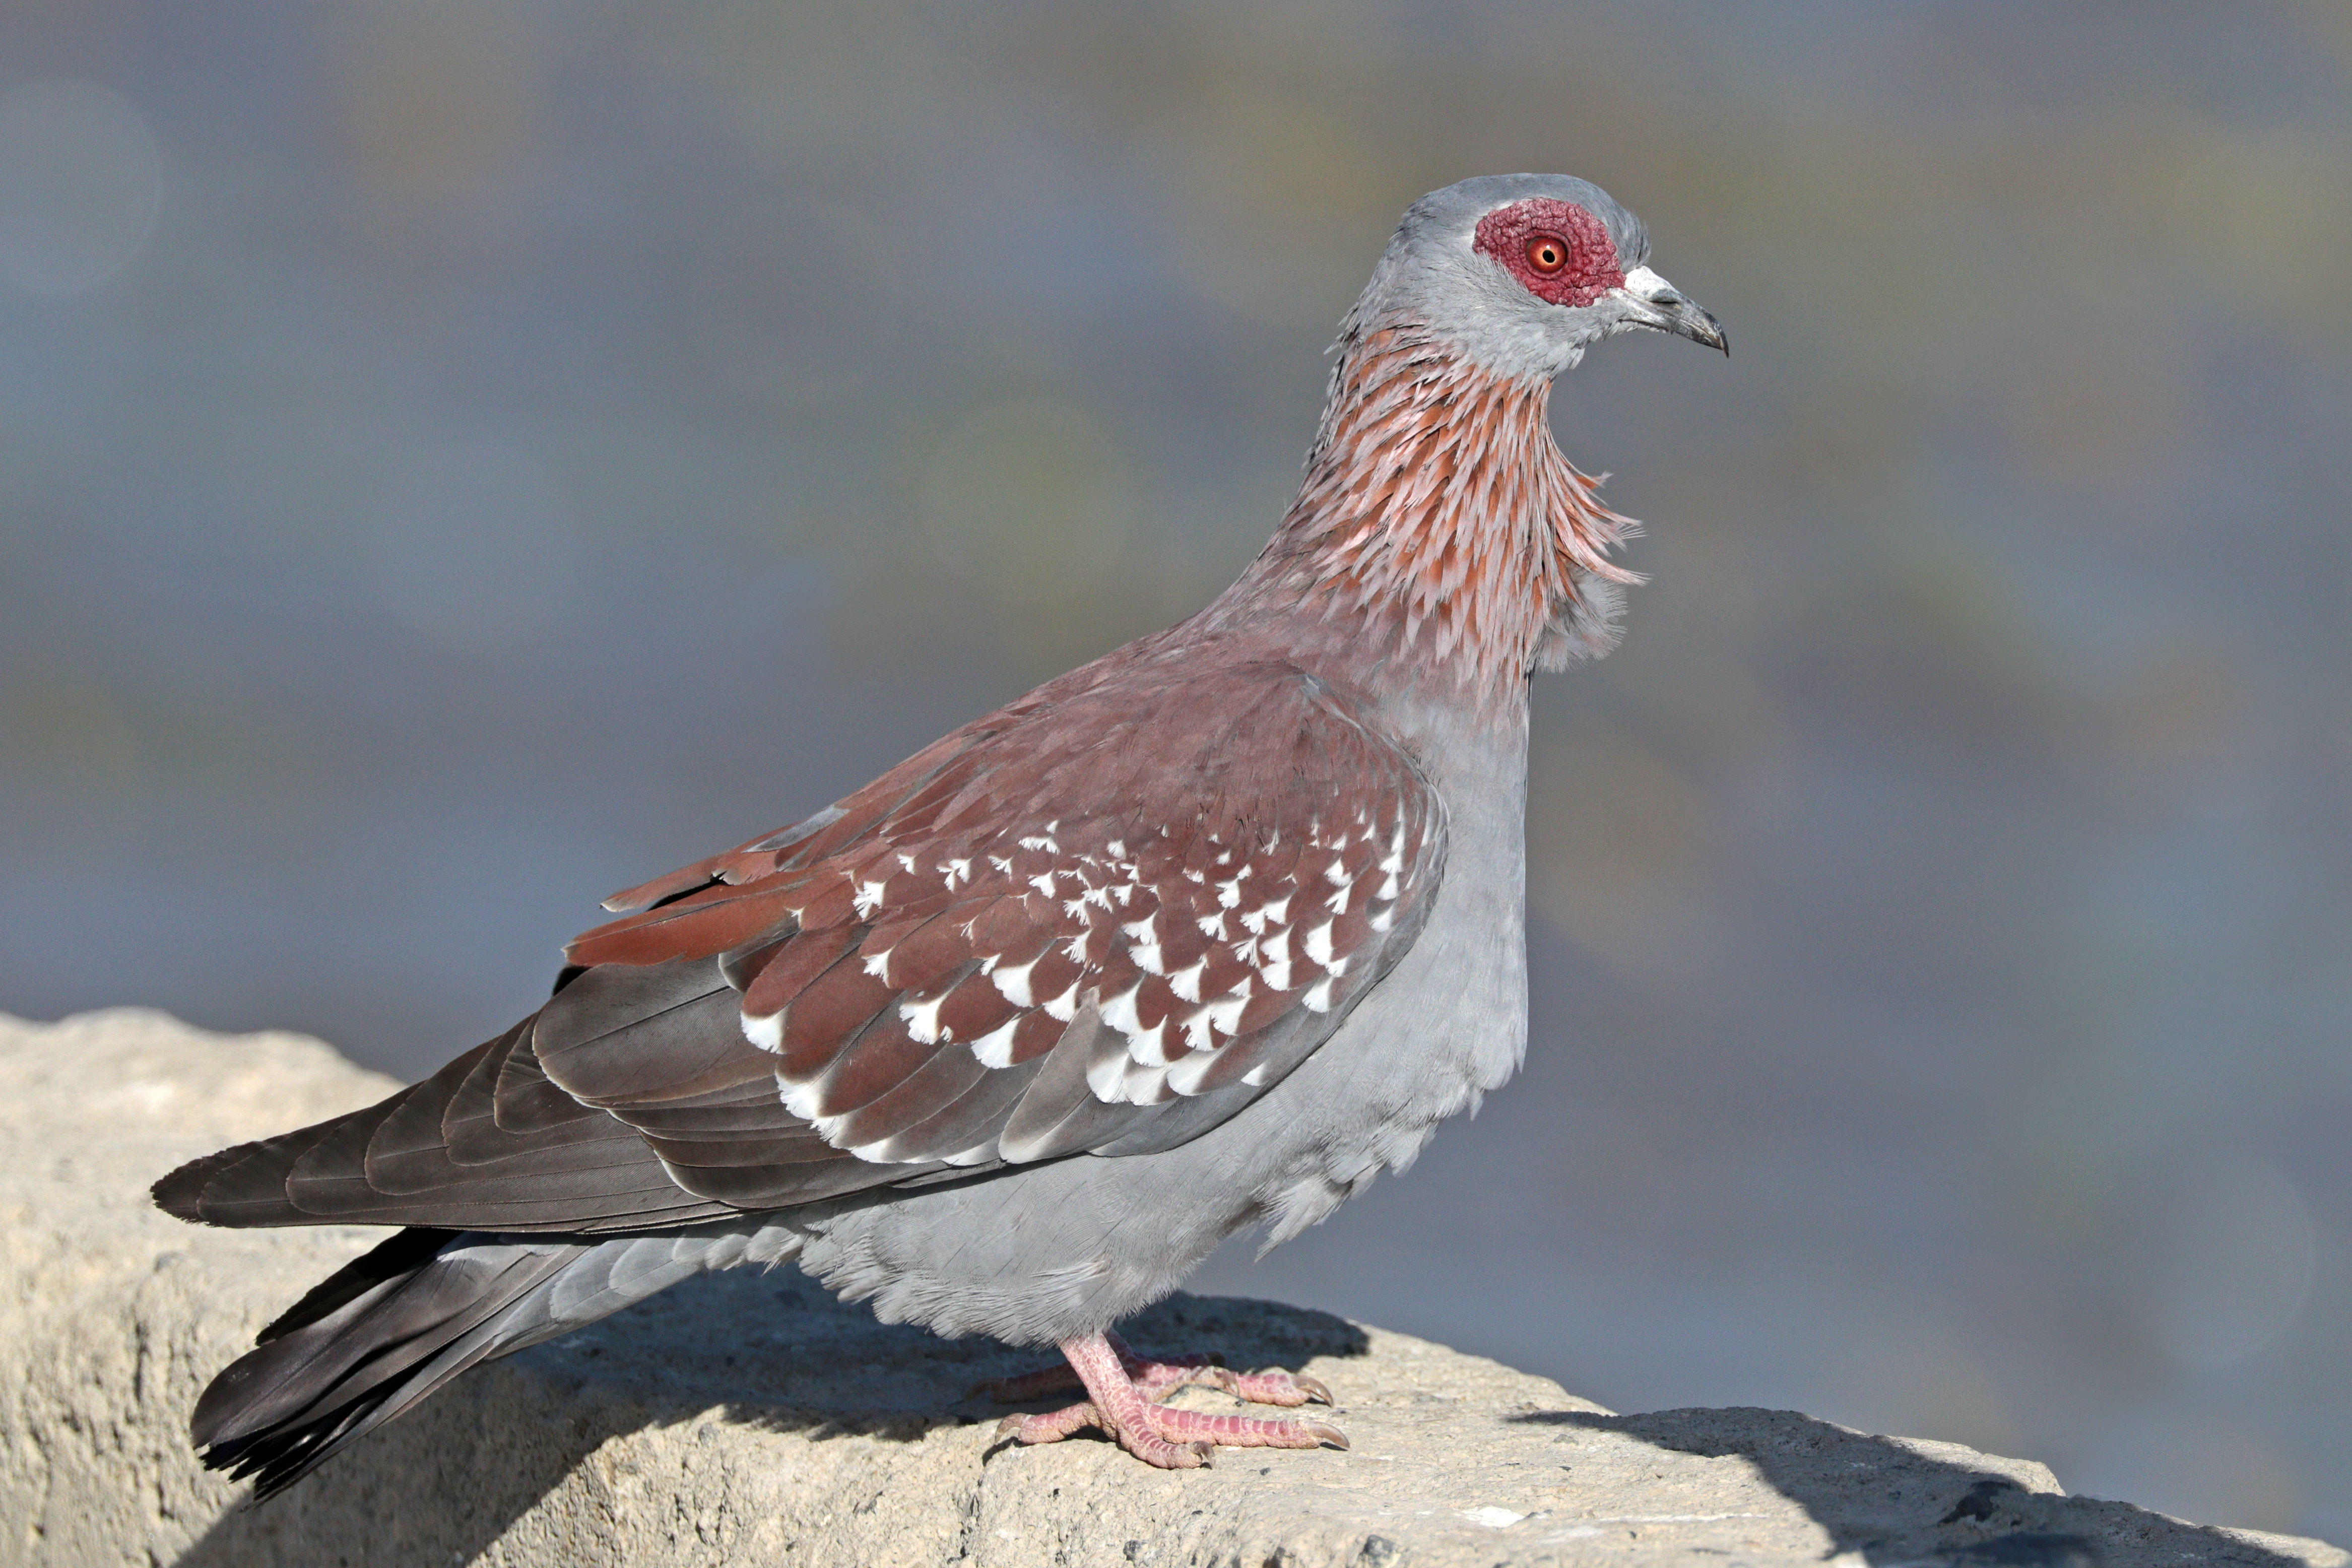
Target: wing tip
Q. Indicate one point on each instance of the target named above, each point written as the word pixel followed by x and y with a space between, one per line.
pixel 180 1193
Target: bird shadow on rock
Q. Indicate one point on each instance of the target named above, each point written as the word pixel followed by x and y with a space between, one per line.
pixel 771 1352
pixel 1893 1503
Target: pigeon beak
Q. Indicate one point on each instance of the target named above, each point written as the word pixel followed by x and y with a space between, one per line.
pixel 1660 306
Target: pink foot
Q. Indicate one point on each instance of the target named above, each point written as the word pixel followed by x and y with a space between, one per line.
pixel 1159 1379
pixel 1126 1405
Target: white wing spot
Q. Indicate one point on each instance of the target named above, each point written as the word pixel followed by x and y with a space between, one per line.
pixel 1185 1077
pixel 923 1020
pixel 1134 1084
pixel 1013 980
pixel 1104 1075
pixel 1277 967
pixel 1143 943
pixel 994 1048
pixel 1221 1016
pixel 1149 1046
pixel 1119 1012
pixel 868 898
pixel 1186 982
pixel 800 1098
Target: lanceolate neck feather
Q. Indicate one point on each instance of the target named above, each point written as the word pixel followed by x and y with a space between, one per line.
pixel 1440 537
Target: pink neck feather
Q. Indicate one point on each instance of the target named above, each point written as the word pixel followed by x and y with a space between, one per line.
pixel 1439 528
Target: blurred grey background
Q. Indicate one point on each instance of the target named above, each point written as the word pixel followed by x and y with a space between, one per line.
pixel 456 460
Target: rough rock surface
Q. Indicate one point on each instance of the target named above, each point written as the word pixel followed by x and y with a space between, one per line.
pixel 749 1419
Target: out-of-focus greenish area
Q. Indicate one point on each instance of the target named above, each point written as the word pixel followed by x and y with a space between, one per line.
pixel 456 460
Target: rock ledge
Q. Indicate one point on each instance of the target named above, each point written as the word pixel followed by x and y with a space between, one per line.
pixel 752 1418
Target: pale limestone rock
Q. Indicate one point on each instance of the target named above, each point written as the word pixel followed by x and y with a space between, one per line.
pixel 749 1418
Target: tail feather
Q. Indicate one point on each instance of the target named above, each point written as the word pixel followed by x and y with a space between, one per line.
pixel 390 1328
pixel 398 1255
pixel 309 1388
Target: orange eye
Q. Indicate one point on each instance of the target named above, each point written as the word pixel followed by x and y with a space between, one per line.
pixel 1547 253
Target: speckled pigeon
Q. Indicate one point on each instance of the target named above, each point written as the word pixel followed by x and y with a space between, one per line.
pixel 1195 937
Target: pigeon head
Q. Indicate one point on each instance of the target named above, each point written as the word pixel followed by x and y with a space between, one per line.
pixel 1523 272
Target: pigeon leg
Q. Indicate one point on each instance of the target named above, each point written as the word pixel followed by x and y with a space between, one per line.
pixel 1171 1440
pixel 1159 1378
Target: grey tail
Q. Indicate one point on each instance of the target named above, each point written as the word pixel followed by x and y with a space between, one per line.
pixel 388 1329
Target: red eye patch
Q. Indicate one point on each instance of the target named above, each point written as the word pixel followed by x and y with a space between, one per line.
pixel 1561 252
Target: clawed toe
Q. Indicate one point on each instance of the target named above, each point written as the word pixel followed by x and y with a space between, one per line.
pixel 1156 1379
pixel 1272 1387
pixel 1128 1401
pixel 1174 1423
pixel 1170 1436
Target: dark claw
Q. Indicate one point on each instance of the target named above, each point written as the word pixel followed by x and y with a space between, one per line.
pixel 1315 1389
pixel 1331 1437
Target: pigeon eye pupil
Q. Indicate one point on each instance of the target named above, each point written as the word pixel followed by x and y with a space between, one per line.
pixel 1547 253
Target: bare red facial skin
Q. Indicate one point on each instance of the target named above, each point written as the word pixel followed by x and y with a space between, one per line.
pixel 1558 251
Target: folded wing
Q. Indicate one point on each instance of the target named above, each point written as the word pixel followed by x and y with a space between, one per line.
pixel 1101 923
